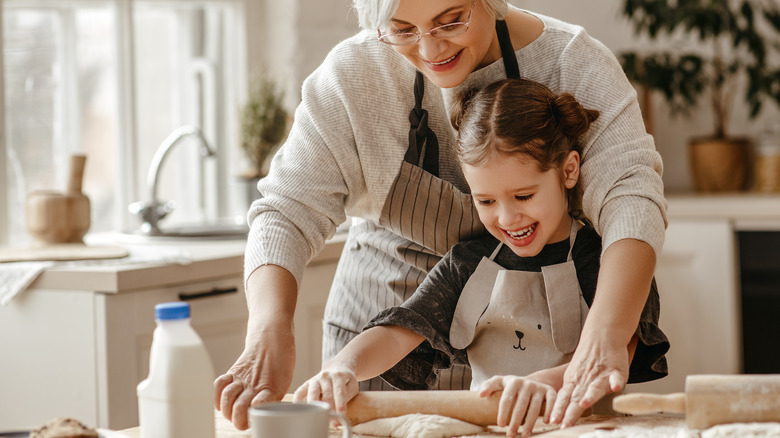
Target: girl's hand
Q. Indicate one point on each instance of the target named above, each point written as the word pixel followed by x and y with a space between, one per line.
pixel 334 385
pixel 521 402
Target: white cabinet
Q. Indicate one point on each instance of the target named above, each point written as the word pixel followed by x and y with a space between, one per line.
pixel 698 277
pixel 77 342
pixel 82 353
pixel 697 283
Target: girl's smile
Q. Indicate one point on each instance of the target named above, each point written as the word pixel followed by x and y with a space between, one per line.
pixel 520 205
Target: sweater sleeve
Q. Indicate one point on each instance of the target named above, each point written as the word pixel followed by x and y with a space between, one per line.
pixel 623 192
pixel 340 158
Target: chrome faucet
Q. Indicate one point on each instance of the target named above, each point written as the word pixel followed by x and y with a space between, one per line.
pixel 152 211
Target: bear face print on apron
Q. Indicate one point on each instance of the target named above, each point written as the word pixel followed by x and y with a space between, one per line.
pixel 518 322
pixel 424 215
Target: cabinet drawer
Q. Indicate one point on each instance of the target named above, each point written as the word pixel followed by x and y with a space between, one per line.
pixel 219 315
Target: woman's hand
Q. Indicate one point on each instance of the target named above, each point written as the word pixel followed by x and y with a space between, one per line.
pixel 336 386
pixel 598 367
pixel 521 402
pixel 601 361
pixel 261 374
pixel 264 370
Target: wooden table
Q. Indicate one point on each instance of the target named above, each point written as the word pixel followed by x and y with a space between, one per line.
pixel 225 429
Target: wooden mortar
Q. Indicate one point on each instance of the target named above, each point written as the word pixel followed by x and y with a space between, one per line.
pixel 53 217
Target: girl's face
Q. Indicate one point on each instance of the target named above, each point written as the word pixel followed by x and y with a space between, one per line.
pixel 522 207
pixel 446 62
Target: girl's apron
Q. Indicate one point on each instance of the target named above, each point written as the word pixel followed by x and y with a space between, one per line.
pixel 424 215
pixel 518 322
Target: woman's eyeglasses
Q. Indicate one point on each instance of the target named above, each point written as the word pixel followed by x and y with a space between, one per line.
pixel 408 38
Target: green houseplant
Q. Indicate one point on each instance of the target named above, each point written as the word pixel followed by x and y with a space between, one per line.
pixel 737 52
pixel 264 124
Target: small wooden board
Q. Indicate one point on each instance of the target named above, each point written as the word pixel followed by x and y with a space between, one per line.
pixel 61 252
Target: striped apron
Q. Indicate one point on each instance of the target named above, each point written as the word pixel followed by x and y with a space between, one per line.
pixel 424 214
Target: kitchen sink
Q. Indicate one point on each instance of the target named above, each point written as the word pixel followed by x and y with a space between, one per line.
pixel 216 231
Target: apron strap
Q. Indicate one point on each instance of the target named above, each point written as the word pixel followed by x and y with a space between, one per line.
pixel 495 251
pixel 423 148
pixel 575 226
pixel 507 51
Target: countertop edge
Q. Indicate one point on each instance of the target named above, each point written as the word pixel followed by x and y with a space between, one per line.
pixel 227 261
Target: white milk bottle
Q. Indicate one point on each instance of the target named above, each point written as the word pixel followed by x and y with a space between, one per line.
pixel 176 399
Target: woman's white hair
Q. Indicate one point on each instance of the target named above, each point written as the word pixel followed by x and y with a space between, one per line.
pixel 373 14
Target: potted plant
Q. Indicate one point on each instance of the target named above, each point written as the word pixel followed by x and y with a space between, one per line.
pixel 740 38
pixel 264 123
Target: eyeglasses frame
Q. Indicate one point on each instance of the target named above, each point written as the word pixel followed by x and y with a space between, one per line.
pixel 380 35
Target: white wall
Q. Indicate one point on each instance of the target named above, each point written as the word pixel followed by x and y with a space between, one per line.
pixel 293 37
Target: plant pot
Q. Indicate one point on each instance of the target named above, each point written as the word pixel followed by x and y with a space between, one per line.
pixel 719 165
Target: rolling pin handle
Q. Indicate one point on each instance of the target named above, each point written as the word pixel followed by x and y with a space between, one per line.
pixel 640 404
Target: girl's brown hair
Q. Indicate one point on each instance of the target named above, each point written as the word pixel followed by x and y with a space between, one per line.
pixel 520 117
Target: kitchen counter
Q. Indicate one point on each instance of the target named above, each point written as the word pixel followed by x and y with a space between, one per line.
pixel 745 210
pixel 209 259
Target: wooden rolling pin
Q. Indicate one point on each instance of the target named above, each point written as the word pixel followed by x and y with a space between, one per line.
pixel 463 405
pixel 711 399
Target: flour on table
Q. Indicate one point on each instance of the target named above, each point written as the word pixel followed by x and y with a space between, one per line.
pixel 642 432
pixel 743 430
pixel 417 426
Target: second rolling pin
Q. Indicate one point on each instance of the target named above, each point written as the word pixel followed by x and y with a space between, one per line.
pixel 711 399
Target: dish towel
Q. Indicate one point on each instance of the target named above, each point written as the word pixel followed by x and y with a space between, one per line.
pixel 15 277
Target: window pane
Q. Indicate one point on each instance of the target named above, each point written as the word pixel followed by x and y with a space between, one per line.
pixel 180 80
pixel 59 100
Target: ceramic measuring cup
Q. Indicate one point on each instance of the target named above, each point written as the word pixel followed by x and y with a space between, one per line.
pixel 294 420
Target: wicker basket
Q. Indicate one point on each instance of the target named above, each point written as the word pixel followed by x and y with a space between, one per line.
pixel 719 165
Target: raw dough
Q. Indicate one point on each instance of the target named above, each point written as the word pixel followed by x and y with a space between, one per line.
pixel 743 430
pixel 417 426
pixel 641 432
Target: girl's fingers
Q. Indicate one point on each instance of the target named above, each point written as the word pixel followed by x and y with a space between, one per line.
pixel 315 393
pixel 343 386
pixel 519 411
pixel 505 405
pixel 491 385
pixel 326 389
pixel 549 401
pixel 532 413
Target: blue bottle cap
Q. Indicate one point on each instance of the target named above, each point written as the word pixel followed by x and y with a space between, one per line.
pixel 175 310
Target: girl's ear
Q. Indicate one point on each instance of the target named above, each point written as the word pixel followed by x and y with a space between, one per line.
pixel 571 169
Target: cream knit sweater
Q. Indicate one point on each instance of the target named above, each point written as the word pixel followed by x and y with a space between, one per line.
pixel 351 132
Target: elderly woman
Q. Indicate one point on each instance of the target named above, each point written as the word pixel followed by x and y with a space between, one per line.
pixel 372 140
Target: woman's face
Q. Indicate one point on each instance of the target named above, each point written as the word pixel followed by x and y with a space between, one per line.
pixel 446 62
pixel 521 206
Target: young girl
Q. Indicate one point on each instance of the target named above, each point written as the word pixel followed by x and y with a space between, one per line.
pixel 511 304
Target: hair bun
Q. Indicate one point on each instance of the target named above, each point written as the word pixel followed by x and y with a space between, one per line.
pixel 573 118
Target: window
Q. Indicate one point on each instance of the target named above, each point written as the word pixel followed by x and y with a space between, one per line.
pixel 111 79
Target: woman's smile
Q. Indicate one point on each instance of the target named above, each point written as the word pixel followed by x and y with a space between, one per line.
pixel 445 64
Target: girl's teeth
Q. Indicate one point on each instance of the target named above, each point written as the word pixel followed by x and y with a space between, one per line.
pixel 525 232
